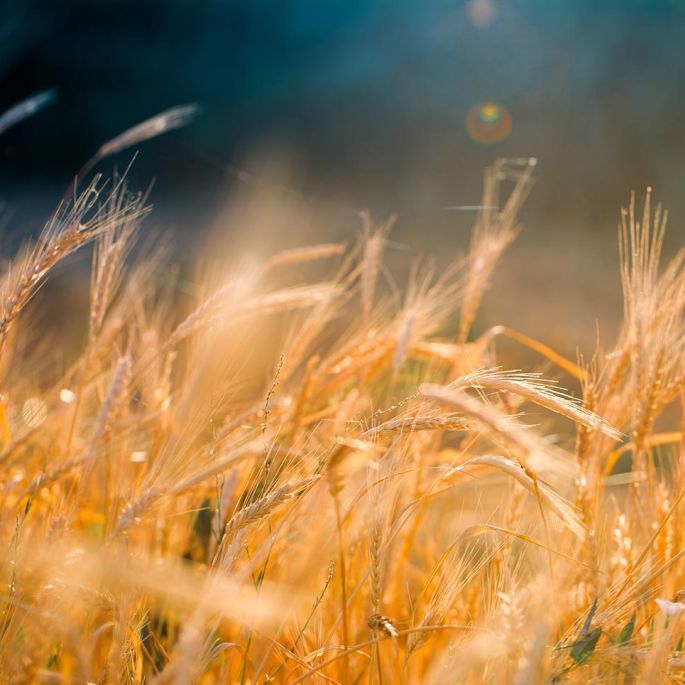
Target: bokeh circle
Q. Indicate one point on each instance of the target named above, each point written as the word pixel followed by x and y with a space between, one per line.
pixel 488 123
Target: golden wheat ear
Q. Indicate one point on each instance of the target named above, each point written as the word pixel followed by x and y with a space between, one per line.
pixel 534 388
pixel 75 224
pixel 526 443
pixel 374 242
pixel 494 231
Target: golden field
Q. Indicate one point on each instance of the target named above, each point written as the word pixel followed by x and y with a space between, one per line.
pixel 318 472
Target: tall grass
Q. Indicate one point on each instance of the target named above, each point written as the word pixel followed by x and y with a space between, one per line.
pixel 384 504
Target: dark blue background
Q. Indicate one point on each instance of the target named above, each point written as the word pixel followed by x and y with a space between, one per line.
pixel 367 100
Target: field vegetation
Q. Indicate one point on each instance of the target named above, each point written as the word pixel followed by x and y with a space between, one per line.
pixel 316 472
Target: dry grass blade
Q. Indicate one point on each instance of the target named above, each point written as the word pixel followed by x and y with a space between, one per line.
pixel 26 108
pixel 562 362
pixel 170 119
pixel 299 255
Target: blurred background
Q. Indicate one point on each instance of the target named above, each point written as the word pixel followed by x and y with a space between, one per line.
pixel 314 110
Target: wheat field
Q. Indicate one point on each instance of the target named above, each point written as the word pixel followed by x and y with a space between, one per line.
pixel 334 480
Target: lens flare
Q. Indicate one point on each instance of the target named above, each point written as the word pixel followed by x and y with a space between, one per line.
pixel 488 123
